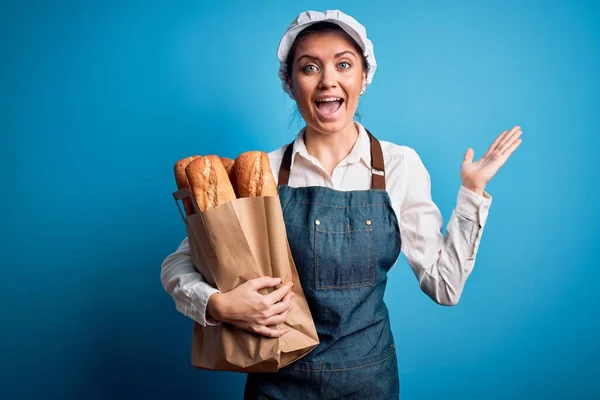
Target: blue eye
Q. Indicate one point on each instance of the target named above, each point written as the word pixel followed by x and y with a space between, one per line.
pixel 307 68
pixel 345 65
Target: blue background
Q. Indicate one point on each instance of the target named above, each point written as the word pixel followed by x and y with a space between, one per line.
pixel 99 99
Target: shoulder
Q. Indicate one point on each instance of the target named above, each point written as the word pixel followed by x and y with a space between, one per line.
pixel 405 172
pixel 275 159
pixel 398 154
pixel 277 154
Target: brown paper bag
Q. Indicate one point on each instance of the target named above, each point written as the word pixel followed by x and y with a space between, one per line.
pixel 231 244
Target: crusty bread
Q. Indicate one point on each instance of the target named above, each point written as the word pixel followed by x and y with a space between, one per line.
pixel 209 182
pixel 228 164
pixel 182 181
pixel 253 175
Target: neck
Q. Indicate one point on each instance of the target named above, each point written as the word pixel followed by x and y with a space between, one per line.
pixel 330 148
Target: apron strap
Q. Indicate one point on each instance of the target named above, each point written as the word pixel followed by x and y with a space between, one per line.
pixel 377 165
pixel 284 169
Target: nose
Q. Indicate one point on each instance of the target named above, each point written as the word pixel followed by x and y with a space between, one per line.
pixel 328 78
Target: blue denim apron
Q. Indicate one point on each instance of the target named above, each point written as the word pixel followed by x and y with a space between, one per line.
pixel 343 244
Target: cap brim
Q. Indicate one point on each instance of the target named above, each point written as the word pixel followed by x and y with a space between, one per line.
pixel 288 39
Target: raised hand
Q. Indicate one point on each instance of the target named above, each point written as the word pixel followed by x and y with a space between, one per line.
pixel 476 175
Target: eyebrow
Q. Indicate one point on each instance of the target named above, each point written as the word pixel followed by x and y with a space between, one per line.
pixel 336 56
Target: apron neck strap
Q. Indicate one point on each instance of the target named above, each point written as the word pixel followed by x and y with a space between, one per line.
pixel 377 165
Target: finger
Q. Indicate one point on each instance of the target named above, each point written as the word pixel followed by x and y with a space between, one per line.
pixel 288 298
pixel 276 319
pixel 281 306
pixel 512 148
pixel 264 282
pixel 495 143
pixel 278 294
pixel 510 141
pixel 509 135
pixel 468 158
pixel 270 332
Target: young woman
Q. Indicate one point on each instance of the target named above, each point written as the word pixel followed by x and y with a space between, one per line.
pixel 351 203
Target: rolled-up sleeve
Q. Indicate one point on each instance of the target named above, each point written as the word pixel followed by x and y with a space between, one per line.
pixel 186 285
pixel 440 262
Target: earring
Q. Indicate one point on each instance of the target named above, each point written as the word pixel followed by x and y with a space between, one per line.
pixel 362 91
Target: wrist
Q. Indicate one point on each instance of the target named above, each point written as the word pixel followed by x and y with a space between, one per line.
pixel 214 306
pixel 474 188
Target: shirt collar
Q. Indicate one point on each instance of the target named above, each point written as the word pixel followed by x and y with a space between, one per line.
pixel 360 151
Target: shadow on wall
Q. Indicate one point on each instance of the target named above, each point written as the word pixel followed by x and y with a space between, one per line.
pixel 95 320
pixel 136 343
pixel 138 346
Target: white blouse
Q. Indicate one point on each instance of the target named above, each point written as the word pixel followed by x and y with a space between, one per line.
pixel 440 263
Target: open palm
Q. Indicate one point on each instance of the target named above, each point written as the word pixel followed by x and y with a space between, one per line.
pixel 476 175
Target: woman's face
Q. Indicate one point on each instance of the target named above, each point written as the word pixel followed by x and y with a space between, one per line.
pixel 327 78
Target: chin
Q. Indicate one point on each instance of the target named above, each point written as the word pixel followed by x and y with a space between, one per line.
pixel 330 127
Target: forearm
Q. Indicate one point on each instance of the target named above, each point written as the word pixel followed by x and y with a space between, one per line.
pixel 186 285
pixel 442 263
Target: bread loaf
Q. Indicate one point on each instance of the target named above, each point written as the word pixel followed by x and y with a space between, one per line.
pixel 209 182
pixel 252 171
pixel 228 164
pixel 182 181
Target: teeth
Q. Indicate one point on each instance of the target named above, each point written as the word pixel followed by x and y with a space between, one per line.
pixel 330 99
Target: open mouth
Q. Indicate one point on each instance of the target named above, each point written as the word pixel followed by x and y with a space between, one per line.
pixel 329 106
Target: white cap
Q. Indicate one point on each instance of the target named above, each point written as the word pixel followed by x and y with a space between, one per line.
pixel 351 26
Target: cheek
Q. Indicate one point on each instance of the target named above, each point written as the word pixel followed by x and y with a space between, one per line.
pixel 353 88
pixel 302 89
pixel 353 83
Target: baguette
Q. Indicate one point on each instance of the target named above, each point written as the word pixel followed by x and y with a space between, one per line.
pixel 209 182
pixel 228 164
pixel 182 181
pixel 253 175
